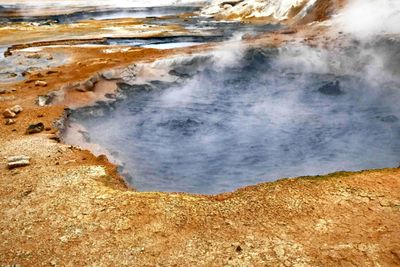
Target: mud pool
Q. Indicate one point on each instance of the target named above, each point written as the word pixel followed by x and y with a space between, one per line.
pixel 254 120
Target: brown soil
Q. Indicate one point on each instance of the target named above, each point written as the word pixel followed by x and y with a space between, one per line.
pixel 323 10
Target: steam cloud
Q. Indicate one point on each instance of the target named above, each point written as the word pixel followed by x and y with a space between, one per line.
pixel 367 19
pixel 116 3
pixel 267 118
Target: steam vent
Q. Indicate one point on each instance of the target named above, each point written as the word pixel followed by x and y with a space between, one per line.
pixel 199 133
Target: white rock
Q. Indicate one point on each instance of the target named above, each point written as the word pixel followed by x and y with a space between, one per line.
pixel 16 109
pixel 18 161
pixel 41 83
pixel 9 114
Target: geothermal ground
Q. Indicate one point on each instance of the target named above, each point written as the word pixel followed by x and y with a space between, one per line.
pixel 110 110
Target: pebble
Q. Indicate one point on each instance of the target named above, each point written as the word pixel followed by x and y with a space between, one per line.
pixel 18 161
pixel 35 128
pixel 8 114
pixel 34 56
pixel 52 72
pixel 43 100
pixel 10 121
pixel 16 109
pixel 40 83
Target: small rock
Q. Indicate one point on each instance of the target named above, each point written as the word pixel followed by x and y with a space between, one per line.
pixel 52 72
pixel 41 83
pixel 18 161
pixel 231 3
pixel 2 91
pixel 8 114
pixel 10 121
pixel 43 100
pixel 48 22
pixel 109 75
pixel 390 119
pixel 34 56
pixel 29 81
pixel 288 31
pixel 35 128
pixel 16 109
pixel 331 88
pixel 86 86
pixel 30 71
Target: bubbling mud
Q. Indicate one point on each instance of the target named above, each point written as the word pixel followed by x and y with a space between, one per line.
pixel 271 113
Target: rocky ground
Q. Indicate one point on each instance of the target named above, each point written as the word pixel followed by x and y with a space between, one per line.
pixel 62 206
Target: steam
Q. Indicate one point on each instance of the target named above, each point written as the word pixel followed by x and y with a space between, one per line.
pixel 229 53
pixel 116 3
pixel 29 8
pixel 368 19
pixel 250 116
pixel 253 116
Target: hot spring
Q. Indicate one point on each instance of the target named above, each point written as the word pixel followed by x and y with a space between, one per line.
pixel 239 120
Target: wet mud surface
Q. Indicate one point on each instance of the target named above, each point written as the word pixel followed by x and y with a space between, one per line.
pixel 221 128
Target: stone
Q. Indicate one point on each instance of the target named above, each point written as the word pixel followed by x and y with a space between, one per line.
pixel 40 83
pixel 2 91
pixel 43 100
pixel 87 85
pixel 30 71
pixel 35 128
pixel 230 3
pixel 109 75
pixel 18 161
pixel 52 72
pixel 288 31
pixel 331 88
pixel 34 56
pixel 10 121
pixel 390 119
pixel 8 114
pixel 16 109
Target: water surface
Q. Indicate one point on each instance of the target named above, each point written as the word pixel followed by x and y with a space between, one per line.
pixel 252 121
